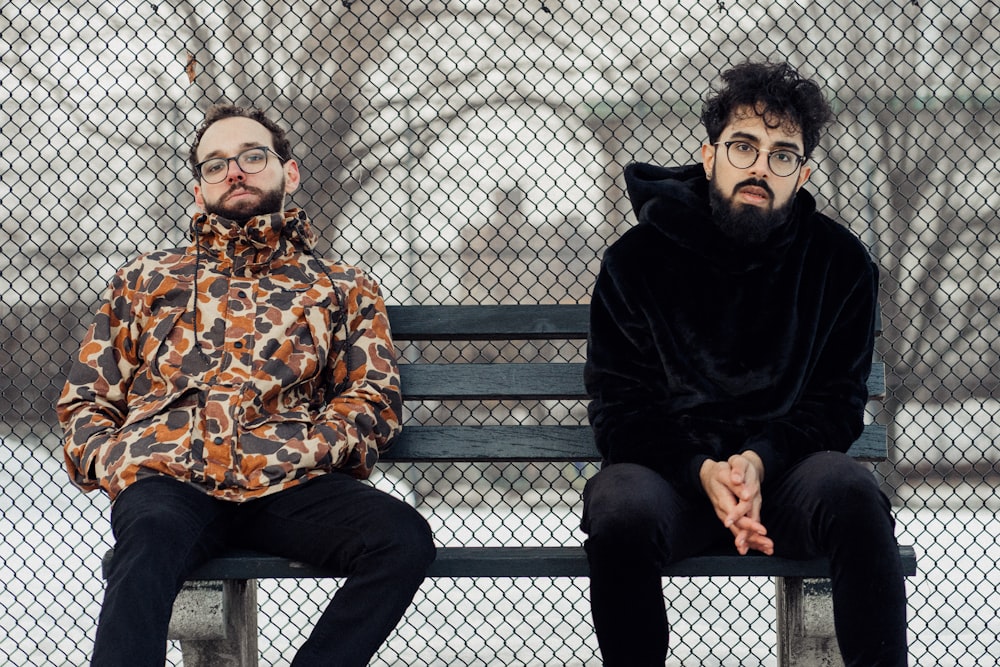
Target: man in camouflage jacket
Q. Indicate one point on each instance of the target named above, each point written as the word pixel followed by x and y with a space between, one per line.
pixel 233 393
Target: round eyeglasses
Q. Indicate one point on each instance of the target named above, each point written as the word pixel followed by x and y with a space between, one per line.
pixel 250 161
pixel 743 155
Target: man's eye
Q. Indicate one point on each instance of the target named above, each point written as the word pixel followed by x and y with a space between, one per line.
pixel 783 156
pixel 744 148
pixel 213 167
pixel 253 157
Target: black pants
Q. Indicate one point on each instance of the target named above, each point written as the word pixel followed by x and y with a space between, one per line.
pixel 827 505
pixel 164 529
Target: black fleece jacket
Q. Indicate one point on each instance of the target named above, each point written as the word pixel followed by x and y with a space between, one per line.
pixel 703 348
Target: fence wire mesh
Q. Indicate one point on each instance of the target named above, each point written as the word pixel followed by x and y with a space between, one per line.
pixel 471 152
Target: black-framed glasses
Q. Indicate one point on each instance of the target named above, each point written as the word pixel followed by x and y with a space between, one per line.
pixel 251 161
pixel 742 155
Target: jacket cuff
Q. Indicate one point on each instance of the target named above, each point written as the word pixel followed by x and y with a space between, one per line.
pixel 693 477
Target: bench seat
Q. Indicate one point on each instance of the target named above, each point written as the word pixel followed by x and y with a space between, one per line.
pixel 215 616
pixel 532 561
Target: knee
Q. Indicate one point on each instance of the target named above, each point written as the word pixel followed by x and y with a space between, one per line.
pixel 421 544
pixel 624 505
pixel 849 491
pixel 845 478
pixel 411 539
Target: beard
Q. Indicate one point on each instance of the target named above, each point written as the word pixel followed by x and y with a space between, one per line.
pixel 267 202
pixel 743 223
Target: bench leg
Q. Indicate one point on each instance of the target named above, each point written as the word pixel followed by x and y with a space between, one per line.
pixel 216 623
pixel 806 636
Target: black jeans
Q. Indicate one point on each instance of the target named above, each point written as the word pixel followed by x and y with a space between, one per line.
pixel 164 529
pixel 827 505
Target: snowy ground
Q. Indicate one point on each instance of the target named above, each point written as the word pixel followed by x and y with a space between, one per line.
pixel 52 539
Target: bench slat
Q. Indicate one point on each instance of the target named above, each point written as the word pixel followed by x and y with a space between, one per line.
pixel 496 322
pixel 523 381
pixel 542 443
pixel 509 322
pixel 527 562
pixel 492 381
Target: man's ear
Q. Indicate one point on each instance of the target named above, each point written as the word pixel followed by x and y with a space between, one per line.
pixel 292 176
pixel 803 176
pixel 708 159
pixel 199 199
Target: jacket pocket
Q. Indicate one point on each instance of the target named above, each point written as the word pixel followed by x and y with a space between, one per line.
pixel 157 438
pixel 143 408
pixel 285 447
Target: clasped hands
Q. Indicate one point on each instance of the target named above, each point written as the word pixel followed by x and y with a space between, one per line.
pixel 733 488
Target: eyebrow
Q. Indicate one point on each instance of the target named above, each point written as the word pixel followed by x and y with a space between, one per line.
pixel 746 136
pixel 246 145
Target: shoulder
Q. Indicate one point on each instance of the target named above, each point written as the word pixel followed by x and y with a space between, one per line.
pixel 353 281
pixel 345 273
pixel 139 268
pixel 638 243
pixel 834 238
pixel 838 258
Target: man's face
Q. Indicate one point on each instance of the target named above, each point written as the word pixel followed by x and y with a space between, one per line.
pixel 241 196
pixel 748 202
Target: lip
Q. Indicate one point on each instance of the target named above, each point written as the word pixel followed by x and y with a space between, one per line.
pixel 237 194
pixel 752 194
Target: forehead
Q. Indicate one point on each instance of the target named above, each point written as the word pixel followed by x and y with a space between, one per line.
pixel 231 135
pixel 767 130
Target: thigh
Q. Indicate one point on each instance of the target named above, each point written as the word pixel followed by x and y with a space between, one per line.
pixel 164 524
pixel 331 520
pixel 625 500
pixel 824 499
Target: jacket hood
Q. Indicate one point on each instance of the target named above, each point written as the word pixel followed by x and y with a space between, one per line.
pixel 675 201
pixel 648 182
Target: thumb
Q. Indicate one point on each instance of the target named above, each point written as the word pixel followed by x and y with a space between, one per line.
pixel 736 474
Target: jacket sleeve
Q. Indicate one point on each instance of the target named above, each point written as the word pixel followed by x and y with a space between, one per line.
pixel 628 390
pixel 363 407
pixel 93 403
pixel 829 415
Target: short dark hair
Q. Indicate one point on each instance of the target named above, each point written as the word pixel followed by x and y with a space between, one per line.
pixel 219 112
pixel 775 92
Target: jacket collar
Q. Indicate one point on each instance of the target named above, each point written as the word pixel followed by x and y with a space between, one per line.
pixel 259 241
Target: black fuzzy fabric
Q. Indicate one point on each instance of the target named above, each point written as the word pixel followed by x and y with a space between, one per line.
pixel 703 348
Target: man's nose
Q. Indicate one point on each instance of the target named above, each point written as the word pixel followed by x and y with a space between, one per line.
pixel 234 173
pixel 761 164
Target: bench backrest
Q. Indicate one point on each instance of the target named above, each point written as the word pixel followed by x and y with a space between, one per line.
pixel 548 380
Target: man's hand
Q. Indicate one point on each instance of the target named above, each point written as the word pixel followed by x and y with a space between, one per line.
pixel 733 488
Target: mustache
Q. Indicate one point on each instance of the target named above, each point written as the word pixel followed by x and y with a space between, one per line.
pixel 240 187
pixel 753 182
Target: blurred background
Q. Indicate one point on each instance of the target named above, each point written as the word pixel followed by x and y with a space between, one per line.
pixel 472 152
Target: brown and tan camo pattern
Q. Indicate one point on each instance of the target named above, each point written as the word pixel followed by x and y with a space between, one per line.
pixel 296 375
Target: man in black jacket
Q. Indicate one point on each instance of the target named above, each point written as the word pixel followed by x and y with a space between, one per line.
pixel 731 337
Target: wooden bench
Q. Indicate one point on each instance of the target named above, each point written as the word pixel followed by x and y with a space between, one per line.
pixel 215 615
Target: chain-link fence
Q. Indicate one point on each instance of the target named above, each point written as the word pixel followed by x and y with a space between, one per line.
pixel 471 152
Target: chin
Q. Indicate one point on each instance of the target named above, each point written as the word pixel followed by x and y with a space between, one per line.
pixel 751 209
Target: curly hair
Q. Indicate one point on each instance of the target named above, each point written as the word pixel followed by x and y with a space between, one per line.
pixel 776 93
pixel 219 112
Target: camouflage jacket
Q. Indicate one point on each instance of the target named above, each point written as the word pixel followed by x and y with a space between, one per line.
pixel 285 370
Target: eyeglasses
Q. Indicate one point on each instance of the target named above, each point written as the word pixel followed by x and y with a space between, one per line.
pixel 251 161
pixel 743 155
